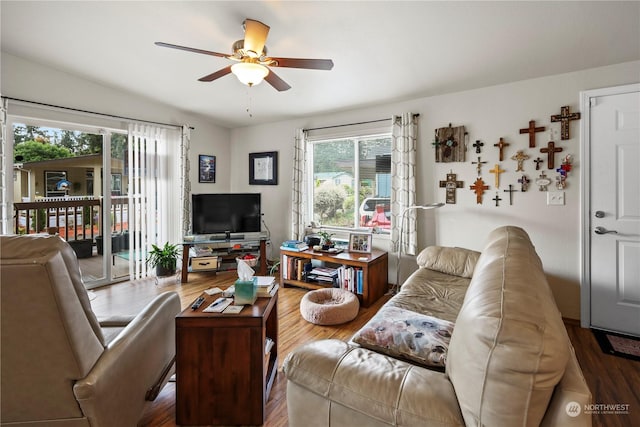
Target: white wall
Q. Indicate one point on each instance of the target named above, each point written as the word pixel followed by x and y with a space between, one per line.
pixel 24 79
pixel 488 114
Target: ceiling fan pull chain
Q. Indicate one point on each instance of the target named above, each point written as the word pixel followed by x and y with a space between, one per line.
pixel 249 103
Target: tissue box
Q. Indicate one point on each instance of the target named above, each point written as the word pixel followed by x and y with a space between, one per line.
pixel 245 292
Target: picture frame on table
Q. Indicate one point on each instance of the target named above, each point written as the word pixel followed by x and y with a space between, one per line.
pixel 263 168
pixel 206 168
pixel 360 242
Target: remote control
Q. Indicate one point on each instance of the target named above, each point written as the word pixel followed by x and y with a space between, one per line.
pixel 198 303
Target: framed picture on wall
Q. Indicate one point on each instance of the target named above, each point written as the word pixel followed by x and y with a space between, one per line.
pixel 263 168
pixel 206 168
pixel 360 242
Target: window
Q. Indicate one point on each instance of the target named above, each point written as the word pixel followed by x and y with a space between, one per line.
pixel 351 182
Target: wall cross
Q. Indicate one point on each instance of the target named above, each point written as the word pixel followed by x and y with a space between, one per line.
pixel 531 130
pixel 479 163
pixel 537 162
pixel 564 118
pixel 520 157
pixel 501 144
pixel 551 151
pixel 524 181
pixel 511 190
pixel 497 171
pixel 497 199
pixel 451 185
pixel 478 145
pixel 478 187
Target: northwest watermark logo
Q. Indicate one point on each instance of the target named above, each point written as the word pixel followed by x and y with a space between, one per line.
pixel 573 409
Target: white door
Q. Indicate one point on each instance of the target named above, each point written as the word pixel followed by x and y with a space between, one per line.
pixel 614 211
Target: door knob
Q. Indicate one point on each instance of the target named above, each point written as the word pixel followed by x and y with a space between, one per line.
pixel 599 214
pixel 602 230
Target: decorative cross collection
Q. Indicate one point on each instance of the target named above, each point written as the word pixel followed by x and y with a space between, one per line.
pixel 564 118
pixel 451 185
pixel 447 140
pixel 497 171
pixel 531 130
pixel 478 145
pixel 478 187
pixel 551 151
pixel 501 144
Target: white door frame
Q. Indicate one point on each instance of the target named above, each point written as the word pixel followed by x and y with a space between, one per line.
pixel 585 182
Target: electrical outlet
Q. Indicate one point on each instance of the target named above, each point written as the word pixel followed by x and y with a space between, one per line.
pixel 555 198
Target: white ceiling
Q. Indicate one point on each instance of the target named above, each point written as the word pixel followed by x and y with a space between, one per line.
pixel 383 51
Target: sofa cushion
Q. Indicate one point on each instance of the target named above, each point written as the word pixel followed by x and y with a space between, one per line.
pixel 455 261
pixel 407 335
pixel 509 346
pixel 432 293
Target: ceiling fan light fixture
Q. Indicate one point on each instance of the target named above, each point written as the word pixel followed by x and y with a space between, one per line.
pixel 249 73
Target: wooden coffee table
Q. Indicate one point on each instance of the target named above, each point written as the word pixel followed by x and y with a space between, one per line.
pixel 223 376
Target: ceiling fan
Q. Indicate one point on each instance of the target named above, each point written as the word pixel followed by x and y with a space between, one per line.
pixel 252 62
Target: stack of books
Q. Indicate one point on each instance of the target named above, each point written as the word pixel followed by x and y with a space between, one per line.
pixel 266 286
pixel 294 245
pixel 326 275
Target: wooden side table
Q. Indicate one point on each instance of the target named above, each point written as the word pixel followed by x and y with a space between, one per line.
pixel 223 376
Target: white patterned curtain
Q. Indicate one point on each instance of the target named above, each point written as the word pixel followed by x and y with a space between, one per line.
pixel 149 193
pixel 298 198
pixel 185 182
pixel 5 163
pixel 404 135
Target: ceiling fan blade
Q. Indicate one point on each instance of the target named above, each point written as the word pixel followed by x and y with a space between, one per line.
pixel 312 64
pixel 192 49
pixel 275 81
pixel 255 36
pixel 220 73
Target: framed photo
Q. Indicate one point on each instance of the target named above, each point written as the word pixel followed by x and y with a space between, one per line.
pixel 360 243
pixel 263 168
pixel 206 168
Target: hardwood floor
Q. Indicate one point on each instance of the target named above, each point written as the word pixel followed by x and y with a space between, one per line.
pixel 612 380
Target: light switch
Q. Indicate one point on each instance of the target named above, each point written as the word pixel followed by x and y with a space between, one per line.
pixel 555 198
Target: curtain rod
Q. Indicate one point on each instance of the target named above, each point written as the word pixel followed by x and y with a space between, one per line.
pixel 93 112
pixel 353 124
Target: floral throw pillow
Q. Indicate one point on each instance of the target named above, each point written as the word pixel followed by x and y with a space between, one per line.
pixel 406 334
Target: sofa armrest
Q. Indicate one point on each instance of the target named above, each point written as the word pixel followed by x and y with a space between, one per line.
pixel 366 384
pixel 455 261
pixel 570 398
pixel 132 363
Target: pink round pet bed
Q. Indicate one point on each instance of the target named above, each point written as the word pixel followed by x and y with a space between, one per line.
pixel 331 306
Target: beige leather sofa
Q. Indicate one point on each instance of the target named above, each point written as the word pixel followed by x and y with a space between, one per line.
pixel 509 361
pixel 59 365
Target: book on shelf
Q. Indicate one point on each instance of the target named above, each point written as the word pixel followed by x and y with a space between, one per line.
pixel 300 249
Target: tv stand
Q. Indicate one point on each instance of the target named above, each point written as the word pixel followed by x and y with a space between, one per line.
pixel 226 249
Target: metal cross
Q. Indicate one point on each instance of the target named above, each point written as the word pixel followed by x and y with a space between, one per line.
pixel 501 144
pixel 479 163
pixel 497 199
pixel 478 187
pixel 525 183
pixel 497 171
pixel 531 130
pixel 511 190
pixel 537 162
pixel 520 157
pixel 478 145
pixel 451 185
pixel 564 118
pixel 551 151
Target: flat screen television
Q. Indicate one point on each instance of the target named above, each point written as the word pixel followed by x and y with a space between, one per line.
pixel 221 213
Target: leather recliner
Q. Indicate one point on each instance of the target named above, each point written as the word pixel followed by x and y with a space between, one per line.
pixel 59 365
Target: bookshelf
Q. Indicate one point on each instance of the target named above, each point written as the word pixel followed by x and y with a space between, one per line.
pixel 374 268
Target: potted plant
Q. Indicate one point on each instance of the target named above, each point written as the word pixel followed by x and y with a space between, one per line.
pixel 164 259
pixel 327 243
